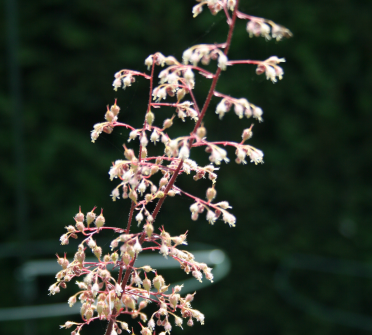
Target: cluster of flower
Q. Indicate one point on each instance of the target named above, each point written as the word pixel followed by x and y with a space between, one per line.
pixel 102 296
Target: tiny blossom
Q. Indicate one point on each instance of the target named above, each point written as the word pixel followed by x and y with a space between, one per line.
pixel 154 137
pixel 256 156
pixel 142 187
pixel 221 109
pixel 211 217
pixel 117 83
pixel 137 247
pixel 229 218
pixel 139 217
pixel 257 113
pixel 115 194
pixel 222 61
pixel 189 77
pixel 163 250
pixel 148 62
pixel 184 152
pixel 186 56
pixel 95 289
pixel 133 134
pixel 144 141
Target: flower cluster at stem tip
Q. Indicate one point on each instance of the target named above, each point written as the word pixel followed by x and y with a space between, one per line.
pixel 108 295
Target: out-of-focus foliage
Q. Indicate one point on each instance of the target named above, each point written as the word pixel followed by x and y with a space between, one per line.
pixel 312 196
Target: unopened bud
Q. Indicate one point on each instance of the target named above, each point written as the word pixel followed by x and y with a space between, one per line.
pixel 89 314
pixel 114 257
pixel 167 123
pixel 115 109
pixel 80 226
pixel 211 193
pixel 247 133
pixel 100 221
pixel 97 252
pixel 128 153
pixel 158 282
pixel 149 229
pixel 133 195
pixel 154 169
pixel 201 132
pixel 147 284
pixel 79 216
pixel 91 217
pixel 150 117
pixel 160 194
pixel 109 116
pixel 126 258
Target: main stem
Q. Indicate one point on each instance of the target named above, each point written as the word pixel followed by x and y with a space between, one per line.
pixel 177 171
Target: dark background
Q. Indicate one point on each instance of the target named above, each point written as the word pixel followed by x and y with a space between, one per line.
pixel 309 202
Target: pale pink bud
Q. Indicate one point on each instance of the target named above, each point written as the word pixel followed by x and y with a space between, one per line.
pixel 100 221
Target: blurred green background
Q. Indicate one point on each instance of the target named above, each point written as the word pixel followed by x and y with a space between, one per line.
pixel 302 249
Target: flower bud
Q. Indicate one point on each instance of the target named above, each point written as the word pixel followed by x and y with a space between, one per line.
pixel 91 217
pixel 173 300
pixel 114 257
pixel 190 297
pixel 89 314
pixel 128 301
pixel 150 117
pixel 126 258
pixel 211 194
pixel 201 132
pixel 97 252
pixel 147 284
pixel 80 226
pixel 133 195
pixel 100 221
pixel 247 133
pixel 109 116
pixel 160 194
pixel 158 282
pixel 115 109
pixel 79 216
pixel 149 229
pixel 167 123
pixel 163 182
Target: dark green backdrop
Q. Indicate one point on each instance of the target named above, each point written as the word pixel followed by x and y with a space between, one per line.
pixel 310 198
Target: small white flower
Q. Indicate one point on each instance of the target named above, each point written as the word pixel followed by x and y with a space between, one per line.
pixel 148 62
pixel 139 217
pixel 194 208
pixel 115 194
pixel 186 56
pixel 142 187
pixel 221 109
pixel 211 217
pixel 117 83
pixel 229 218
pixel 154 137
pixel 164 250
pixel 222 60
pixel 256 156
pixel 184 152
pixel 137 247
pixel 95 289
